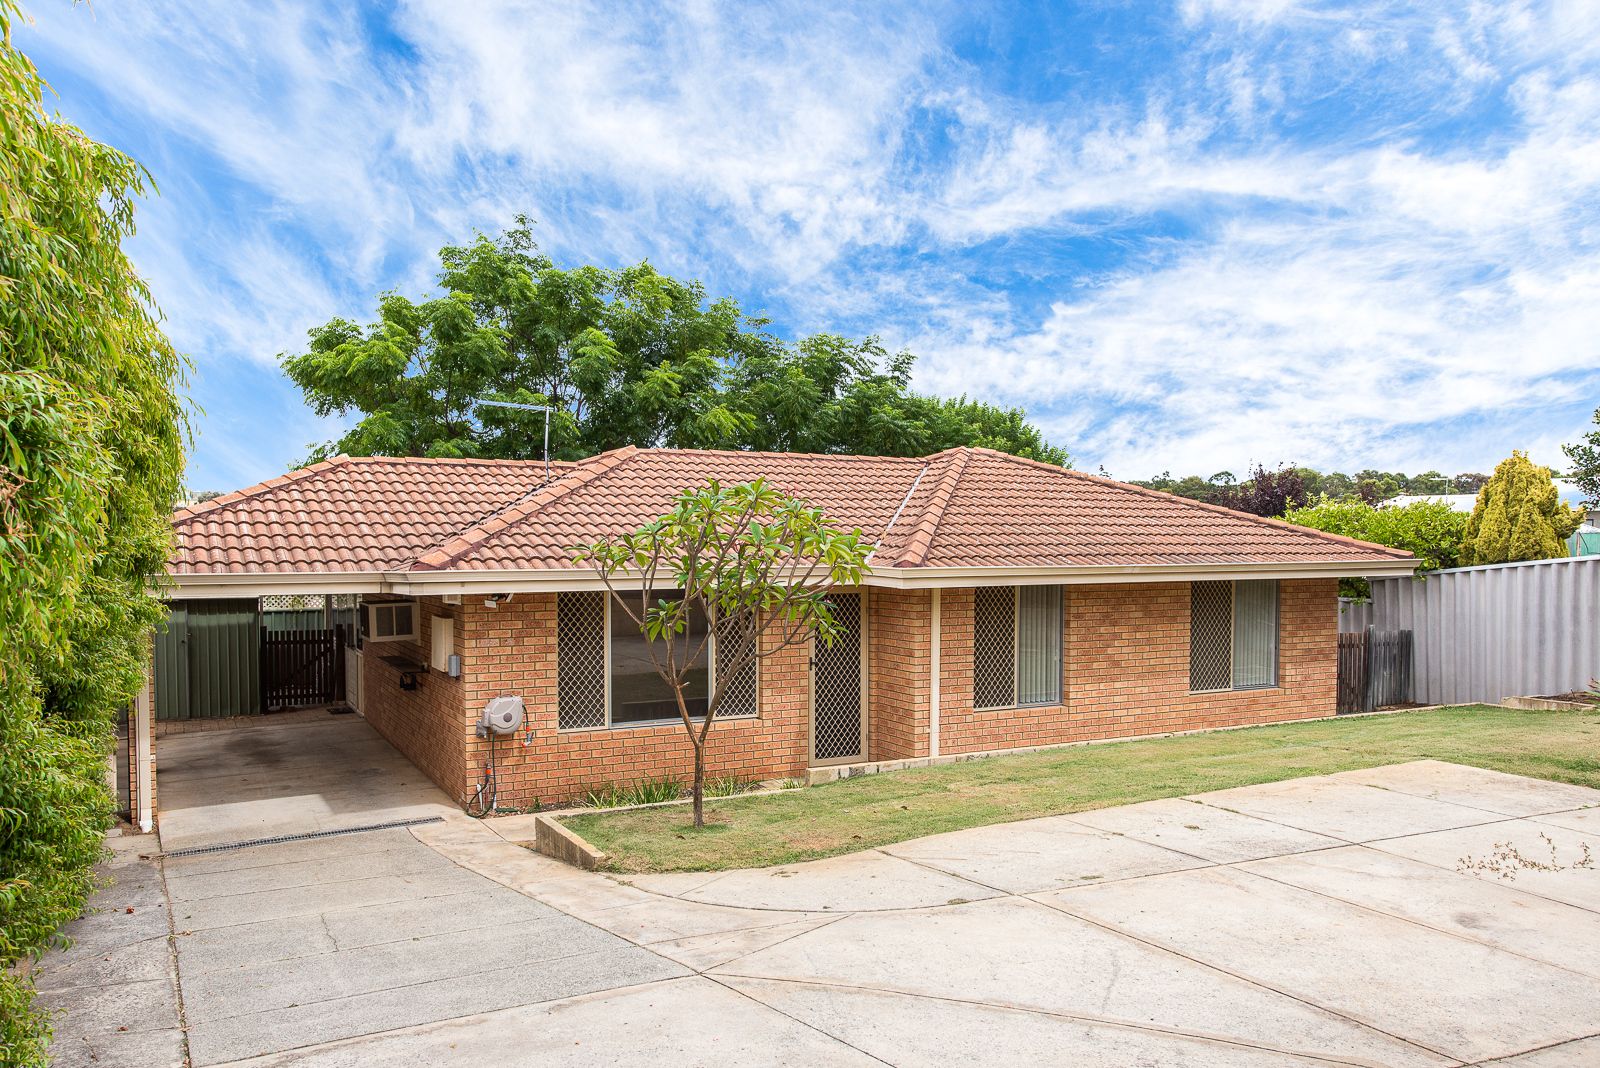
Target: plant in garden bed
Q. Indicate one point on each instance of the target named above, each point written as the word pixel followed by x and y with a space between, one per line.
pixel 649 792
pixel 729 785
pixel 756 564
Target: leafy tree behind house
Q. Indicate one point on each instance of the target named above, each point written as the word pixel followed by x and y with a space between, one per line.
pixel 626 356
pixel 1431 530
pixel 1585 456
pixel 752 562
pixel 91 436
pixel 1268 493
pixel 1519 516
pixel 1269 489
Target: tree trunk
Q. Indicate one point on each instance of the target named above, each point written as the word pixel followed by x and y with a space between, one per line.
pixel 699 784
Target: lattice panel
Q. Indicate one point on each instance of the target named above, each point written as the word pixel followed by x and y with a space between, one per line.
pixel 736 638
pixel 581 660
pixel 291 602
pixel 994 647
pixel 1211 636
pixel 836 679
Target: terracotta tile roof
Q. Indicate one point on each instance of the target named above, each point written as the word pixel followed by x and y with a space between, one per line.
pixel 964 508
pixel 370 513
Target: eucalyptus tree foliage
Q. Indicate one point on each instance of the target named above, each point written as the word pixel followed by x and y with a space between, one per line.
pixel 753 562
pixel 1585 456
pixel 628 356
pixel 91 453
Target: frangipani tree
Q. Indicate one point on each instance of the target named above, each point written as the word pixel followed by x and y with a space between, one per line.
pixel 754 563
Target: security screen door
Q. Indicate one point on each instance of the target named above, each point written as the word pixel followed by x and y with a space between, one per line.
pixel 838 714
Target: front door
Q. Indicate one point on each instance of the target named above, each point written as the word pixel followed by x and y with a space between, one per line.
pixel 838 708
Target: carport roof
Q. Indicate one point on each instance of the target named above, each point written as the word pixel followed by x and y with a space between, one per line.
pixel 961 510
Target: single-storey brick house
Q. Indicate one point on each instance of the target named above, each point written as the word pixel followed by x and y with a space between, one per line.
pixel 1009 604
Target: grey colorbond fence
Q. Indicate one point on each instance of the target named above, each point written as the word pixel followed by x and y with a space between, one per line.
pixel 1488 633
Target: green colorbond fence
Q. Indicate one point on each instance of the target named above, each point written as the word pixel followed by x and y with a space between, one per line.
pixel 208 660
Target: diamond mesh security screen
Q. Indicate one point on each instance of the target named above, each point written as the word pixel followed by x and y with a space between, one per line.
pixel 994 651
pixel 836 682
pixel 1211 636
pixel 581 660
pixel 736 638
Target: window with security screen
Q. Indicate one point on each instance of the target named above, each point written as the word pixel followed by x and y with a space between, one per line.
pixel 1016 646
pixel 580 660
pixel 733 649
pixel 606 676
pixel 1233 635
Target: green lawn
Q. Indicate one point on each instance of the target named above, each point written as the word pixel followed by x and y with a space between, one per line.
pixel 876 810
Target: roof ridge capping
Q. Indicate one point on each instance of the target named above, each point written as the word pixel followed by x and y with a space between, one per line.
pixel 920 541
pixel 582 473
pixel 657 450
pixel 1250 517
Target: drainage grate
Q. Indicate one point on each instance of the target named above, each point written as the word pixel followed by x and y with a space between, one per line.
pixel 391 825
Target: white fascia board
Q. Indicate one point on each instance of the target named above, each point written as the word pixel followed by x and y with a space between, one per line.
pixel 267 584
pixel 909 578
pixel 554 580
pixel 483 582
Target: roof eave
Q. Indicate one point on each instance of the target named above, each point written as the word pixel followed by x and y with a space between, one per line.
pixel 531 580
pixel 935 577
pixel 191 586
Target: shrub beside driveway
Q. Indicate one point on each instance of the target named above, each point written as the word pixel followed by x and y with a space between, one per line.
pixel 877 810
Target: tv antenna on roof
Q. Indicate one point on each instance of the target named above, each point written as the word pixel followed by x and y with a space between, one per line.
pixel 545 408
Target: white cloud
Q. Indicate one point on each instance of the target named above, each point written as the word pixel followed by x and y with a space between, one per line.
pixel 1335 295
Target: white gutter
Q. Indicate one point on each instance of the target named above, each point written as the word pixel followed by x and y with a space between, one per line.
pixel 192 587
pixel 533 580
pixel 913 578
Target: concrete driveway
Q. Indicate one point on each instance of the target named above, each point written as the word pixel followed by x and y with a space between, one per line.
pixel 1312 922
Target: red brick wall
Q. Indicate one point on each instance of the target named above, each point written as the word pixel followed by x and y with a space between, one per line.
pixel 898 657
pixel 429 724
pixel 1126 662
pixel 512 650
pixel 1127 669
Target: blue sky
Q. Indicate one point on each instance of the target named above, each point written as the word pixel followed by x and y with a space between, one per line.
pixel 1183 236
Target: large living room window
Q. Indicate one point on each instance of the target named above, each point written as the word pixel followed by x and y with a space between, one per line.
pixel 1016 646
pixel 606 677
pixel 1233 635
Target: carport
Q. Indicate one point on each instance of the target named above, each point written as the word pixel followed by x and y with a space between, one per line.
pixel 265 597
pixel 291 775
pixel 253 707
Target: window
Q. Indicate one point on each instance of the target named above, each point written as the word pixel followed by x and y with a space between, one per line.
pixel 1233 635
pixel 391 621
pixel 1016 646
pixel 607 678
pixel 638 693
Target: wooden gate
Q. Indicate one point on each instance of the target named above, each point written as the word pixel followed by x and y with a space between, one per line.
pixel 301 667
pixel 1374 670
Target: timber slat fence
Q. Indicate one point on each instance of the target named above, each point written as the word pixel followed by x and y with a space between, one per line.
pixel 1374 669
pixel 301 667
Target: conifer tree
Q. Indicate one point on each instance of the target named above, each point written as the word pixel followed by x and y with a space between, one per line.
pixel 1519 516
